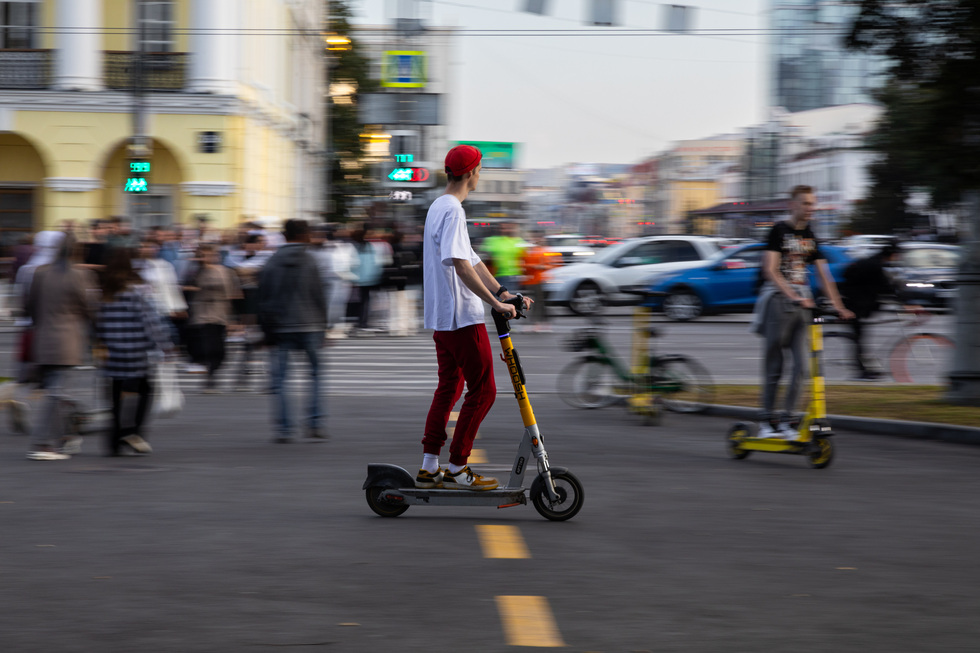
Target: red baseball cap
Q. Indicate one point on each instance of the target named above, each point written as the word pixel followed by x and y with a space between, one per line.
pixel 461 159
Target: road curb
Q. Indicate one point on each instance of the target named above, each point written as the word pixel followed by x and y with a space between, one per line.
pixel 916 430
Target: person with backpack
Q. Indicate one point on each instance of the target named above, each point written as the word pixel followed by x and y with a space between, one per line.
pixel 293 316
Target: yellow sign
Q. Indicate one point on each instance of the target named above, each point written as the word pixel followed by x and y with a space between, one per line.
pixel 403 69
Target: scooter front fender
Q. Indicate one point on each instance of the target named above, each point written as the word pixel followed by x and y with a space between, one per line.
pixel 540 483
pixel 387 476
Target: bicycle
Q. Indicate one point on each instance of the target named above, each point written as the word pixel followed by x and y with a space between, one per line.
pixel 601 378
pixel 912 356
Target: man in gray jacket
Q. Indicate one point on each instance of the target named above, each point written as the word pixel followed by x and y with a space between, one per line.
pixel 293 315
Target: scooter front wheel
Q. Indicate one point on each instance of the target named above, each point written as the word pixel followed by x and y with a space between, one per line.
pixel 570 496
pixel 821 454
pixel 379 505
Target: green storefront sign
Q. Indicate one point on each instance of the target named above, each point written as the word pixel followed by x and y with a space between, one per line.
pixel 495 155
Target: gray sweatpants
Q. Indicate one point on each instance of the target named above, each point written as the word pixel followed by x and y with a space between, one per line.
pixel 784 328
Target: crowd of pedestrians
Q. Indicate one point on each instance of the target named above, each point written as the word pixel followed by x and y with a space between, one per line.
pixel 121 302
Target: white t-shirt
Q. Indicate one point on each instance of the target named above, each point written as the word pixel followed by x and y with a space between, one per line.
pixel 449 305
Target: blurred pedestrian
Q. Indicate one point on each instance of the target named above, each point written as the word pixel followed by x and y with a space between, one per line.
pixel 505 250
pixel 247 262
pixel 456 281
pixel 60 303
pixel 404 264
pixel 293 315
pixel 340 256
pixel 368 269
pixel 215 288
pixel 130 328
pixel 535 265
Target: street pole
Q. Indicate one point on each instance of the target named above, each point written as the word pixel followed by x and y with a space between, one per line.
pixel 964 377
pixel 139 148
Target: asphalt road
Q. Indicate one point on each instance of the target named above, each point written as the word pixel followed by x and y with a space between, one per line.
pixel 223 541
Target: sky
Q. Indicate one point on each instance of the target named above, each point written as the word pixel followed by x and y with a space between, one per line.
pixel 596 97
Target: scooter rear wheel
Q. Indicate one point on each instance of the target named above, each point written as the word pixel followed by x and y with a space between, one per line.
pixel 822 453
pixel 736 436
pixel 380 506
pixel 570 497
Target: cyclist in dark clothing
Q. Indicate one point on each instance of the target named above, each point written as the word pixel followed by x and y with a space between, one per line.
pixel 865 283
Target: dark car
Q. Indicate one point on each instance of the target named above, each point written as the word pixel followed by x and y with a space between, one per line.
pixel 725 283
pixel 926 272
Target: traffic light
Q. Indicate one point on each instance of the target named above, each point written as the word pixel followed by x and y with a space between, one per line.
pixel 137 178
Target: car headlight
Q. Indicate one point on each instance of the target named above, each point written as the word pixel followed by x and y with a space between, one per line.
pixel 583 253
pixel 917 284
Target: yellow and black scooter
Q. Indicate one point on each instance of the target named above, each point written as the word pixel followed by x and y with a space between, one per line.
pixel 813 432
pixel 555 492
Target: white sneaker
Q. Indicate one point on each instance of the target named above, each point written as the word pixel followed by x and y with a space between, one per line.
pixel 766 430
pixel 788 432
pixel 47 455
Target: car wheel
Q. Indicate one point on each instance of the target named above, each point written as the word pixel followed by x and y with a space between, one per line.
pixel 683 305
pixel 586 299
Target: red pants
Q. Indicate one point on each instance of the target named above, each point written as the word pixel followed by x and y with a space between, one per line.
pixel 464 355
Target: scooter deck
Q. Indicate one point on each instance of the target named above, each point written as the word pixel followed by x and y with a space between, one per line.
pixel 435 496
pixel 775 445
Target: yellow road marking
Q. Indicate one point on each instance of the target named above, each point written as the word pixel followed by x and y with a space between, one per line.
pixel 528 621
pixel 477 457
pixel 502 542
pixel 454 415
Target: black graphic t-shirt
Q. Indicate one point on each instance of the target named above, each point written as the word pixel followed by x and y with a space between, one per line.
pixel 796 248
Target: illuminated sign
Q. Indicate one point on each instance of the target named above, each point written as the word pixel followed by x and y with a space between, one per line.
pixel 136 181
pixel 404 158
pixel 417 175
pixel 400 195
pixel 403 69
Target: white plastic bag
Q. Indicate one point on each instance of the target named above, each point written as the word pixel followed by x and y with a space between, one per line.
pixel 169 400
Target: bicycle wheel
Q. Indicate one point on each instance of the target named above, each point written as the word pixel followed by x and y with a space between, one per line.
pixel 588 383
pixel 922 358
pixel 687 386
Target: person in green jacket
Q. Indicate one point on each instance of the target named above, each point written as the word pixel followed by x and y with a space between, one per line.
pixel 506 251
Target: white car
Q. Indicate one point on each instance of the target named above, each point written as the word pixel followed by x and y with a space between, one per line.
pixel 586 287
pixel 567 248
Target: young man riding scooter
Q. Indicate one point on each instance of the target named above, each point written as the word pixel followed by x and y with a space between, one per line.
pixel 455 284
pixel 782 311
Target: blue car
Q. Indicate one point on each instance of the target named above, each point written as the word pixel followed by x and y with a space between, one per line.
pixel 725 283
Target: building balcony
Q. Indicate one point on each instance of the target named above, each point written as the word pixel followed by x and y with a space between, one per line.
pixel 162 71
pixel 25 69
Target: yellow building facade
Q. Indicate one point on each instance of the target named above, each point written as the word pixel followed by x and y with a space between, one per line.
pixel 233 97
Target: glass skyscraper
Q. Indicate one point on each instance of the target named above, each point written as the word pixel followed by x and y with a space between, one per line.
pixel 811 68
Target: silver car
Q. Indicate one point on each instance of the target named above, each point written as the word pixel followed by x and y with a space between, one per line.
pixel 585 288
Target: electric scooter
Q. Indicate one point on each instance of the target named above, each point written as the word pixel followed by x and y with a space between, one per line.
pixel 813 431
pixel 555 492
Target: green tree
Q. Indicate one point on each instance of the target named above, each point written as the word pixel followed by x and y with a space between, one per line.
pixel 348 76
pixel 930 132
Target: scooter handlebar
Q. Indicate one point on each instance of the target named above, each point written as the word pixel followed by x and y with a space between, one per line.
pixel 500 321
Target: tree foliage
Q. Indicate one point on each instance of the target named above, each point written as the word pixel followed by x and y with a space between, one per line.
pixel 349 177
pixel 930 131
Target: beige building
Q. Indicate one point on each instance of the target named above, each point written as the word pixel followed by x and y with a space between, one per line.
pixel 688 178
pixel 234 110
